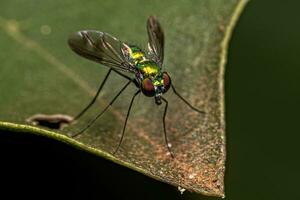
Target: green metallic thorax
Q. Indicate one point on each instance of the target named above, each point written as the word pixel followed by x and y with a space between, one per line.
pixel 148 68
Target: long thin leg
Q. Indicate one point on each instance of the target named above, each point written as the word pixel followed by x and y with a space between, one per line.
pixel 98 91
pixel 103 111
pixel 164 124
pixel 124 127
pixel 127 77
pixel 186 102
pixel 121 74
pixel 95 97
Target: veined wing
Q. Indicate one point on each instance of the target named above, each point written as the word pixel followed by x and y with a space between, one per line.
pixel 100 47
pixel 156 39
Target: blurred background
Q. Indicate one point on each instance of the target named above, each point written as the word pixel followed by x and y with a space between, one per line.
pixel 262 108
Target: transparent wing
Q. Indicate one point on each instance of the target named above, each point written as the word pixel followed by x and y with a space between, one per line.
pixel 156 39
pixel 102 48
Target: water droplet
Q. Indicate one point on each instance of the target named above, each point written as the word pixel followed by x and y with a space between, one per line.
pixel 45 29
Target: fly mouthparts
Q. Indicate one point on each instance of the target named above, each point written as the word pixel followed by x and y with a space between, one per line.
pixel 158 100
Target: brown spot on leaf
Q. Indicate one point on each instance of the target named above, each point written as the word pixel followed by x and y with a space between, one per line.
pixel 56 121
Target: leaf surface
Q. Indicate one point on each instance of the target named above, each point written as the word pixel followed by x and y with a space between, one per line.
pixel 40 74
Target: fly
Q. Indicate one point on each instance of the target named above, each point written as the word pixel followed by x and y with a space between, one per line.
pixel 119 57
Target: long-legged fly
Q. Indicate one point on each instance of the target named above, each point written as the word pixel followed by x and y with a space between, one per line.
pixel 146 68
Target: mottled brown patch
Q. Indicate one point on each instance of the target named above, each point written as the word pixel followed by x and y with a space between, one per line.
pixel 56 121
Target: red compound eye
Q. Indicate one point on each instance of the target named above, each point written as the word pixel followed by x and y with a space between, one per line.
pixel 148 88
pixel 167 81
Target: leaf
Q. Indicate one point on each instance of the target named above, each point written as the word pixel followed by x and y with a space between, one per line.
pixel 40 74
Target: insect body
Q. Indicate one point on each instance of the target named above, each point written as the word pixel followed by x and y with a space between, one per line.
pixel 152 81
pixel 120 57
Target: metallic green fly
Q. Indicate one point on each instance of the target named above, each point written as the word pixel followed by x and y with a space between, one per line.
pixel 146 67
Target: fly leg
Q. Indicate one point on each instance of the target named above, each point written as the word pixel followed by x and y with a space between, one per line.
pixel 186 102
pixel 164 124
pixel 100 88
pixel 103 111
pixel 95 97
pixel 124 127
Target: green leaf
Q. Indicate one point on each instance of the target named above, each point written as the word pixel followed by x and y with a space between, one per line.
pixel 40 74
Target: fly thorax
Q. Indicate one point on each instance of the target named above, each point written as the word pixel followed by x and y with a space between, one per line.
pixel 133 54
pixel 148 68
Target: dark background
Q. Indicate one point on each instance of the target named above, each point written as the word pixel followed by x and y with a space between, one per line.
pixel 262 96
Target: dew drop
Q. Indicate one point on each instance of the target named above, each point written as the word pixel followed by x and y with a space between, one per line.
pixel 45 29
